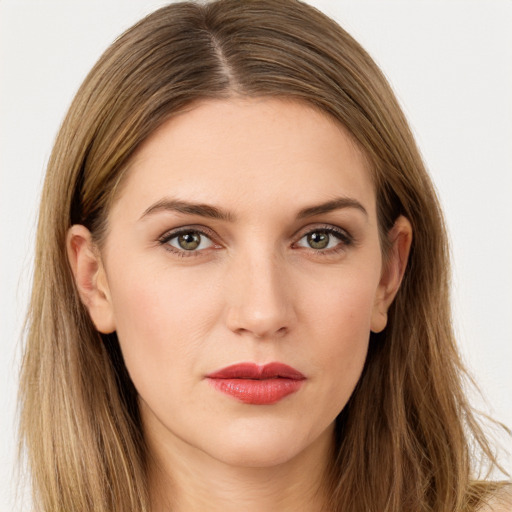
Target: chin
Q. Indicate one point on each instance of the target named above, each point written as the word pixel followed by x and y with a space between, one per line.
pixel 259 455
pixel 268 447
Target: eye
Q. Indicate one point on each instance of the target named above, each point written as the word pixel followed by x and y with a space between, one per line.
pixel 189 241
pixel 324 239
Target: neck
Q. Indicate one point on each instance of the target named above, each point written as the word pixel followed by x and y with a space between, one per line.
pixel 185 481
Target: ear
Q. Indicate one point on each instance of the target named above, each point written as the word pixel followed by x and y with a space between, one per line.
pixel 400 237
pixel 90 277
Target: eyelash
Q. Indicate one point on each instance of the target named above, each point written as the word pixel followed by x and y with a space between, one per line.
pixel 183 253
pixel 345 239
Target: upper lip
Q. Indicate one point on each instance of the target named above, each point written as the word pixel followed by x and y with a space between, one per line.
pixel 257 372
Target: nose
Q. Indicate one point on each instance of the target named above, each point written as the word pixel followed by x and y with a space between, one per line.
pixel 259 301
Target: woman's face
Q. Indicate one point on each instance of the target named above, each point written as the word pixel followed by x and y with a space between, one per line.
pixel 244 234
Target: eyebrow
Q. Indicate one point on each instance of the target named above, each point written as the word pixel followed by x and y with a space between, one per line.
pixel 329 206
pixel 203 210
pixel 213 212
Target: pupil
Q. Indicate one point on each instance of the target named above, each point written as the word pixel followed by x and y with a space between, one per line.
pixel 189 241
pixel 318 240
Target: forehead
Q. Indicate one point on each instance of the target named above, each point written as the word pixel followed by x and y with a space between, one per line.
pixel 249 154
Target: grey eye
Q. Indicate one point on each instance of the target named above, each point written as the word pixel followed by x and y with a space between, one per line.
pixel 319 240
pixel 190 241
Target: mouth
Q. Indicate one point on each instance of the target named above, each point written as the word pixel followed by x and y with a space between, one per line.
pixel 257 385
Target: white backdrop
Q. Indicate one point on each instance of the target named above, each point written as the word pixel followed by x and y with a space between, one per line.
pixel 450 63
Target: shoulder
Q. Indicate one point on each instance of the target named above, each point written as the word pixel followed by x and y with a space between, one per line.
pixel 499 501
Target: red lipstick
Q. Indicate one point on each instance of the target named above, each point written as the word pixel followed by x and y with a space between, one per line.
pixel 257 385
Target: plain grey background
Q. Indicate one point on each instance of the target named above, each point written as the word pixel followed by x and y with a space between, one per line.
pixel 450 63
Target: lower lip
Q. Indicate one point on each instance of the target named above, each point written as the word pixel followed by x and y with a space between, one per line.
pixel 257 392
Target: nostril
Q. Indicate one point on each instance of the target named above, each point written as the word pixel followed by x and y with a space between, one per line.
pixel 278 333
pixel 261 334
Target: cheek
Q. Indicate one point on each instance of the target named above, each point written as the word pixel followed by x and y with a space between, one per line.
pixel 161 319
pixel 343 305
pixel 339 323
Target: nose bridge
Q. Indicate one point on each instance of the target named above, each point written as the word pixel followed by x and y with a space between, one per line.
pixel 260 301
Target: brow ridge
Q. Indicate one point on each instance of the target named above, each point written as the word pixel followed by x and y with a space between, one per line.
pixel 203 210
pixel 329 206
pixel 213 212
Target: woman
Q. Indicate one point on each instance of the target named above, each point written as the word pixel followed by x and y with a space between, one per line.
pixel 241 293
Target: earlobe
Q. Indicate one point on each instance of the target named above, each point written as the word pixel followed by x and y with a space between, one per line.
pixel 90 277
pixel 400 237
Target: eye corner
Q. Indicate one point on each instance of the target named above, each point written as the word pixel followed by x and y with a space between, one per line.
pixel 195 241
pixel 332 239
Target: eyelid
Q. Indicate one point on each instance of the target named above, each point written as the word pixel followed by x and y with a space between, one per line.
pixel 331 228
pixel 194 228
pixel 346 239
pixel 171 233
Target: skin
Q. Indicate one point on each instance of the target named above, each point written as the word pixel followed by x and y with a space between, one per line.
pixel 255 290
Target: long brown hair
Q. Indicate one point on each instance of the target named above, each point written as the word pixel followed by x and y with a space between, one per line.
pixel 403 442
